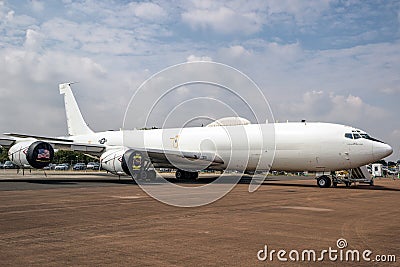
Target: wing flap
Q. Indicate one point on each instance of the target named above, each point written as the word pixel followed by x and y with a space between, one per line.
pixel 94 150
pixel 187 159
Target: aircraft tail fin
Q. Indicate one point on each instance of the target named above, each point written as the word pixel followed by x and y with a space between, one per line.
pixel 75 122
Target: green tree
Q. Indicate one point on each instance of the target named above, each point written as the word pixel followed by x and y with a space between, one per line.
pixel 146 128
pixel 3 154
pixel 391 164
pixel 66 156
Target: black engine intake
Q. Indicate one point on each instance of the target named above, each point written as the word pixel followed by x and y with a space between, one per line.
pixel 37 154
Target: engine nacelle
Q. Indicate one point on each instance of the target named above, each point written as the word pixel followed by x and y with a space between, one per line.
pixel 38 154
pixel 121 161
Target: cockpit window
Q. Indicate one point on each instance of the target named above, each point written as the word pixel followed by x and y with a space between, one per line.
pixel 356 134
pixel 366 136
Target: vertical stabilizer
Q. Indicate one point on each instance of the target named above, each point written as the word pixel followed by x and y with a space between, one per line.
pixel 76 123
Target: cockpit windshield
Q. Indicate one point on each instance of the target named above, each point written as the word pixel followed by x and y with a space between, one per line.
pixel 356 134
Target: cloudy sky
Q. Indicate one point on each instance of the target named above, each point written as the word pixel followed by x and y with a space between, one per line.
pixel 323 60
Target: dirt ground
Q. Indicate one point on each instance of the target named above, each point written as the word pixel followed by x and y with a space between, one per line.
pixel 72 221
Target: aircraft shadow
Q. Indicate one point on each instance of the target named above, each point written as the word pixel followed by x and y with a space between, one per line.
pixel 68 181
pixel 278 182
pixel 201 181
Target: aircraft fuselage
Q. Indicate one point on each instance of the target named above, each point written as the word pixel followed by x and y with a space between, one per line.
pixel 272 146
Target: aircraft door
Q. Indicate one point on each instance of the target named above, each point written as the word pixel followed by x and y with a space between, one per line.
pixel 346 151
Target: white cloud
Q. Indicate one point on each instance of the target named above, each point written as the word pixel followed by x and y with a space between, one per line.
pixel 90 37
pixel 393 140
pixel 324 106
pixel 149 11
pixel 33 40
pixel 192 58
pixel 284 52
pixel 235 51
pixel 37 6
pixel 396 133
pixel 10 15
pixel 398 15
pixel 246 18
pixel 303 12
pixel 391 90
pixel 211 15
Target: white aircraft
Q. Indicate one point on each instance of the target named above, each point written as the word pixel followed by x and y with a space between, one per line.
pixel 303 146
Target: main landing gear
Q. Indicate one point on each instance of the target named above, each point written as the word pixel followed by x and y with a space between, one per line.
pixel 324 181
pixel 142 168
pixel 186 175
pixel 145 175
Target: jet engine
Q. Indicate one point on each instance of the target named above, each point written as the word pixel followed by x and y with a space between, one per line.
pixel 38 154
pixel 121 161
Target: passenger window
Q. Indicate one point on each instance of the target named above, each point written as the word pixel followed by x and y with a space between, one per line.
pixel 348 135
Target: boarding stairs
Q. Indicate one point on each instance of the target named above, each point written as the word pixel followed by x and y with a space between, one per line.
pixel 355 175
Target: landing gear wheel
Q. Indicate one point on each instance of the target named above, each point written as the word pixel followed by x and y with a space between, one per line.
pixel 135 175
pixel 152 175
pixel 143 175
pixel 179 174
pixel 324 181
pixel 194 175
pixel 185 175
pixel 347 184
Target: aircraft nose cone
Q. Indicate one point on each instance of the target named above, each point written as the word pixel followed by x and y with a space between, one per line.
pixel 381 150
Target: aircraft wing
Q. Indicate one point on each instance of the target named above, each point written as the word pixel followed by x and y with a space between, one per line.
pixel 159 157
pixel 43 138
